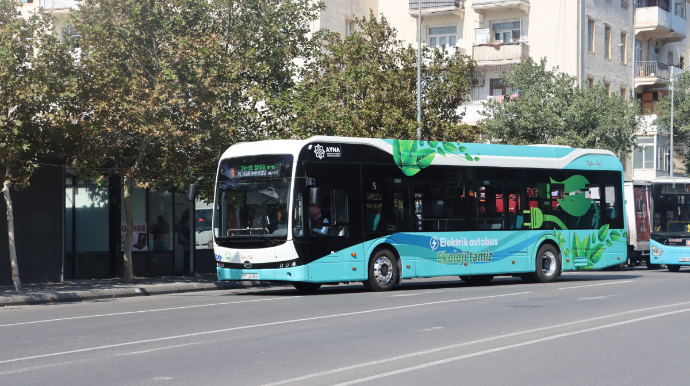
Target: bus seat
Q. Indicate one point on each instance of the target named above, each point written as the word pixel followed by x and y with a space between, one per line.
pixel 515 222
pixel 373 221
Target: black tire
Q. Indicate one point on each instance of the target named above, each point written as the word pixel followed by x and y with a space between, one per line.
pixel 306 287
pixel 477 279
pixel 383 271
pixel 650 265
pixel 673 267
pixel 547 264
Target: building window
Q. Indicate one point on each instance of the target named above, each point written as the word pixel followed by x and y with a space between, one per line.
pixel 608 88
pixel 590 35
pixel 624 93
pixel 624 48
pixel 443 36
pixel 507 31
pixel 643 156
pixel 638 50
pixel 681 63
pixel 349 27
pixel 679 8
pixel 607 42
pixel 590 82
pixel 498 88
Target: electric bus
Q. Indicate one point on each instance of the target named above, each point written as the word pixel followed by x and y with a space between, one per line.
pixel 330 210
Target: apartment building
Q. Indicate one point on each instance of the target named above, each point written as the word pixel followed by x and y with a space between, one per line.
pixel 631 46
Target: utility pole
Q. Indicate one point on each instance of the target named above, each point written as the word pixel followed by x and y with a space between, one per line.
pixel 419 72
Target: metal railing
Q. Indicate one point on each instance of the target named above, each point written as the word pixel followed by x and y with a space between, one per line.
pixel 651 69
pixel 57 4
pixel 485 2
pixel 663 4
pixel 414 4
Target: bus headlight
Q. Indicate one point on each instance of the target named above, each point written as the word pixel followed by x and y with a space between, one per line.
pixel 656 251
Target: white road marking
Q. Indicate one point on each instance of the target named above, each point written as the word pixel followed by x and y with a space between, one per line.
pixel 596 285
pixel 146 311
pixel 497 337
pixel 403 295
pixel 159 348
pixel 603 297
pixel 432 329
pixel 257 326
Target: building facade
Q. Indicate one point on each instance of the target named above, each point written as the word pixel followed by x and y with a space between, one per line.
pixel 631 46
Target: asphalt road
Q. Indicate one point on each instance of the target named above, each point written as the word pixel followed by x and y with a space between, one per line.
pixel 597 328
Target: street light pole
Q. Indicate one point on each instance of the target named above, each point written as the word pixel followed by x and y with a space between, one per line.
pixel 419 72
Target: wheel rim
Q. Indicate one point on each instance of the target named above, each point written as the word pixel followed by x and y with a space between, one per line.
pixel 548 263
pixel 383 270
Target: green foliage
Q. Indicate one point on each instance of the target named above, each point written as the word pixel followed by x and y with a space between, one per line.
pixel 365 85
pixel 168 85
pixel 593 246
pixel 35 82
pixel 551 109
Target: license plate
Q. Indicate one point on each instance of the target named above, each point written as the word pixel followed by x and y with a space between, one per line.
pixel 250 276
pixel 684 259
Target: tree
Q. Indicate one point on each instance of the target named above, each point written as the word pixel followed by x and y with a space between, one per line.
pixel 365 85
pixel 550 108
pixel 681 114
pixel 34 83
pixel 168 85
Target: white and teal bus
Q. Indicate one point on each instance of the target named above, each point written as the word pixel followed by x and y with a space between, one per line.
pixel 330 210
pixel 669 238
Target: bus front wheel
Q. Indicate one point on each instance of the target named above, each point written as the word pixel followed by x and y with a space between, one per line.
pixel 306 287
pixel 383 271
pixel 548 264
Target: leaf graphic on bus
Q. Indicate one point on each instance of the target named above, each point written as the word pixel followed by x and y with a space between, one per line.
pixel 624 234
pixel 597 254
pixel 441 151
pixel 409 152
pixel 397 153
pixel 424 157
pixel 433 143
pixel 469 157
pixel 462 148
pixel 567 252
pixel 609 243
pixel 615 235
pixel 602 232
pixel 449 147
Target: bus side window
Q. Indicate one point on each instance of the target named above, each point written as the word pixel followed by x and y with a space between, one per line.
pixel 340 218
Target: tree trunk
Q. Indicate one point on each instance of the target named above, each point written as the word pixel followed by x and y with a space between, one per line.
pixel 10 237
pixel 128 275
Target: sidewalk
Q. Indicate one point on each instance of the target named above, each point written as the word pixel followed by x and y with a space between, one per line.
pixel 84 289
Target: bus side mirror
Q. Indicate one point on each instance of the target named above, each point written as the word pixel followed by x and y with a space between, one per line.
pixel 191 192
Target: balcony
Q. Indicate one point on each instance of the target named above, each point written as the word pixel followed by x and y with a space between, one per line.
pixel 654 74
pixel 654 19
pixel 58 5
pixel 498 54
pixel 437 8
pixel 488 5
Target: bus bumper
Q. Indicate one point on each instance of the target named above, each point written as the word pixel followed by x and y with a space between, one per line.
pixel 299 273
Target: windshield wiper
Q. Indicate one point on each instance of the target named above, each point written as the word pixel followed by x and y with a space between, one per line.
pixel 273 242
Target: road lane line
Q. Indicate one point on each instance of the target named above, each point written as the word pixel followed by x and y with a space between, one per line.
pixel 507 347
pixel 484 340
pixel 146 311
pixel 257 326
pixel 596 285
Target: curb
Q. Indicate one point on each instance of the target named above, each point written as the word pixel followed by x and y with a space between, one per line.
pixel 115 293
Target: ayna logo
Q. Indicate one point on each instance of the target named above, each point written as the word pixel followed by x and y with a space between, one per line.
pixel 433 243
pixel 319 151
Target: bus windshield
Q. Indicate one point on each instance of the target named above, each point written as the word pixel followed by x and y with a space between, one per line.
pixel 252 195
pixel 671 211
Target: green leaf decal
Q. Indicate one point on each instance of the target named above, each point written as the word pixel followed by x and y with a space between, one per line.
pixel 449 147
pixel 603 231
pixel 462 148
pixel 441 152
pixel 597 254
pixel 422 143
pixel 567 252
pixel 433 143
pixel 397 153
pixel 609 243
pixel 575 244
pixel 408 150
pixel 410 170
pixel 615 235
pixel 476 158
pixel 625 234
pixel 469 157
pixel 424 157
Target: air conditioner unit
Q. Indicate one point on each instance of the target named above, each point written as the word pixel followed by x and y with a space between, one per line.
pixel 477 79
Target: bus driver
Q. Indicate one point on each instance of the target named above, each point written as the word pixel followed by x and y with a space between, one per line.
pixel 318 225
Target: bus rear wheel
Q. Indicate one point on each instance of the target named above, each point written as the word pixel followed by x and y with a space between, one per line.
pixel 548 264
pixel 477 279
pixel 383 271
pixel 673 267
pixel 306 287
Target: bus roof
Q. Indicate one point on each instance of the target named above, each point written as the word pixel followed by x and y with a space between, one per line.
pixel 465 154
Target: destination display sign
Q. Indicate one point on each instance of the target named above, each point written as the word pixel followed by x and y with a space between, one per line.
pixel 678 188
pixel 254 171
